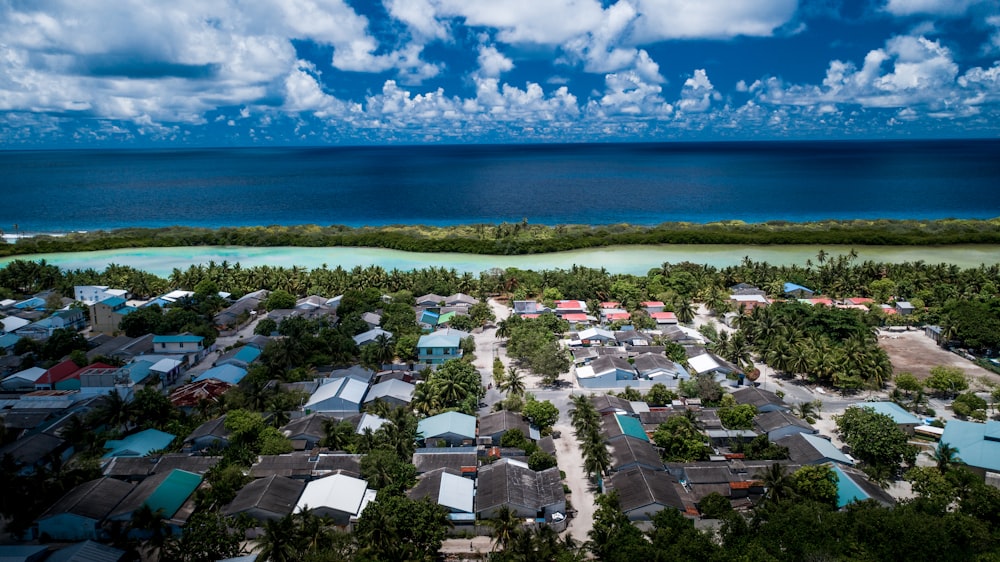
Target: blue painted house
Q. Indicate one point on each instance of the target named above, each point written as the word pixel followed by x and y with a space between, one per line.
pixel 978 444
pixel 78 515
pixel 440 346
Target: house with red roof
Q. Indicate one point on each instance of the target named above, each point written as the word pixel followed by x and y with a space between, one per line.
pixel 662 317
pixel 652 306
pixel 62 376
pixel 570 307
pixel 616 316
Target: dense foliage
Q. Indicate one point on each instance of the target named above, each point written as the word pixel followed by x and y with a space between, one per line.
pixel 523 238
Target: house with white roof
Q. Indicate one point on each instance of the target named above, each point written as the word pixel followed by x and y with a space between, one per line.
pixel 706 363
pixel 338 397
pixel 23 380
pixel 338 496
pixel 90 294
pixel 393 391
pixel 12 323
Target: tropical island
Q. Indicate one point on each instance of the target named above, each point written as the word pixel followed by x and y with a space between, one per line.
pixel 524 238
pixel 692 412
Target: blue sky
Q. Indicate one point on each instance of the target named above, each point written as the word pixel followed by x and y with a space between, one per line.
pixel 277 72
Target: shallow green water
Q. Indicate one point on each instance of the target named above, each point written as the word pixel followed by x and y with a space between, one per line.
pixel 617 259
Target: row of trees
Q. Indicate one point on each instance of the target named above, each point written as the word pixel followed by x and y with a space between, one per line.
pixel 524 238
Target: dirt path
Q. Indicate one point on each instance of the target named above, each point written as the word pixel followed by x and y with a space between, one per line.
pixel 570 459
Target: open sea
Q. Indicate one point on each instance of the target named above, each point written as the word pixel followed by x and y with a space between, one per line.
pixel 59 191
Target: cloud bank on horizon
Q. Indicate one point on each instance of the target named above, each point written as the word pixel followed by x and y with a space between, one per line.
pixel 234 72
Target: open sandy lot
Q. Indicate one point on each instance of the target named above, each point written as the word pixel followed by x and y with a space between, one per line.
pixel 916 353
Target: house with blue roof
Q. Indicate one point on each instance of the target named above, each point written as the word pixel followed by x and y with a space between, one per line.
pixel 8 341
pixel 31 303
pixel 225 373
pixel 854 486
pixel 440 346
pixel 241 357
pixel 106 315
pixel 798 291
pixel 905 420
pixel 365 338
pixel 138 444
pixel 454 428
pixel 978 444
pixel 339 397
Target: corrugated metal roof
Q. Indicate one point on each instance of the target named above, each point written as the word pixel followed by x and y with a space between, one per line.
pixel 338 492
pixel 448 422
pixel 175 489
pixel 632 427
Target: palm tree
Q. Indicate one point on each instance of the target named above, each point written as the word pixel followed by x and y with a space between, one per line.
pixel 152 524
pixel 513 383
pixel 808 411
pixel 337 434
pixel 777 483
pixel 684 310
pixel 280 540
pixel 114 410
pixel 944 456
pixel 505 524
pixel 425 399
pixel 386 349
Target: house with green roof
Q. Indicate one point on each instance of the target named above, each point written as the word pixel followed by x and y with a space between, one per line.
pixel 453 428
pixel 138 444
pixel 617 426
pixel 978 444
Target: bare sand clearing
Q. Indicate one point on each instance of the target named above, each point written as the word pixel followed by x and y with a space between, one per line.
pixel 916 353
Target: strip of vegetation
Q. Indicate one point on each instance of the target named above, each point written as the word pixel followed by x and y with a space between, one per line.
pixel 524 238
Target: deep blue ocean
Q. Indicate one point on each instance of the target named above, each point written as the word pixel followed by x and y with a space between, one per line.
pixel 55 191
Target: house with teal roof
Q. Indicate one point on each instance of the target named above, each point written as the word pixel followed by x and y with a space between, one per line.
pixel 798 291
pixel 454 428
pixel 241 357
pixel 440 346
pixel 617 426
pixel 138 444
pixel 166 492
pixel 226 373
pixel 978 444
pixel 905 420
pixel 854 486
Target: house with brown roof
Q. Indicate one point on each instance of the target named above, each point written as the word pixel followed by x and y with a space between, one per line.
pixel 643 493
pixel 78 514
pixel 266 499
pixel 527 493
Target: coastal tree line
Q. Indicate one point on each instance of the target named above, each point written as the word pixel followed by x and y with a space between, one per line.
pixel 524 238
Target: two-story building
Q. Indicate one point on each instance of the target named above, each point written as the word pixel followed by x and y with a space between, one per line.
pixel 440 346
pixel 106 315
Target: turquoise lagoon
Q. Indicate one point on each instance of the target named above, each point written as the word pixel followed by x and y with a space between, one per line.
pixel 615 259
